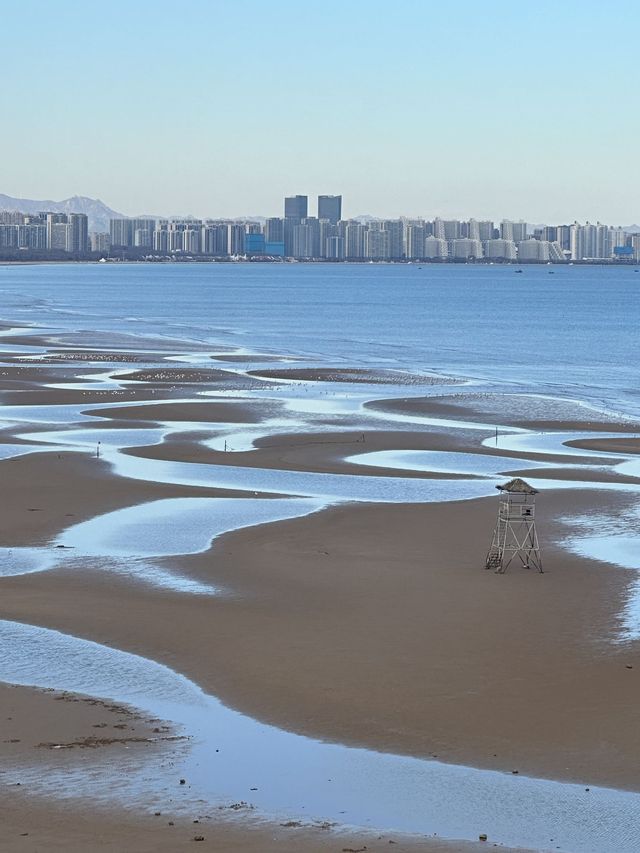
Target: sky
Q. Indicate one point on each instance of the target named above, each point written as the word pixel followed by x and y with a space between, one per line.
pixel 412 107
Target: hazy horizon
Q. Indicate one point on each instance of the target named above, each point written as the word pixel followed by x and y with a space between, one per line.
pixel 489 112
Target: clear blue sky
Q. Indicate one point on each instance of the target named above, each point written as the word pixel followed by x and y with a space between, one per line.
pixel 221 107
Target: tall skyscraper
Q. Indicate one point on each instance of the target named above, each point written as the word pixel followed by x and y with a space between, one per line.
pixel 330 207
pixel 485 227
pixel 295 206
pixel 395 228
pixel 354 235
pixel 274 230
pixel 295 210
pixel 306 239
pixel 56 235
pixel 142 232
pixel 516 231
pixel 78 233
pixel 121 232
pixel 236 239
pixel 377 243
pixel 415 241
pixel 215 239
pixel 452 229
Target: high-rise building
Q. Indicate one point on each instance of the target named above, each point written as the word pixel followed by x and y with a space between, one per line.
pixel 464 249
pixel 175 240
pixel 330 207
pixel 555 251
pixel 192 240
pixel 533 250
pixel 306 238
pixel 295 206
pixel 327 232
pixel 377 243
pixel 435 248
pixel 395 228
pixel 520 230
pixel 78 233
pixel 452 229
pixel 142 238
pixel 254 243
pixel 563 236
pixel 616 238
pixel 500 250
pixel 99 241
pixel 236 239
pixel 516 231
pixel 472 229
pixel 161 239
pixel 274 230
pixel 53 220
pixel 121 233
pixel 591 241
pixel 142 233
pixel 486 229
pixel 36 236
pixel 295 210
pixel 354 239
pixel 438 228
pixel 8 236
pixel 13 217
pixel 215 239
pixel 415 241
pixel 335 248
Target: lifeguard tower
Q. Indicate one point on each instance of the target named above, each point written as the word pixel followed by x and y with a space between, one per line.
pixel 515 531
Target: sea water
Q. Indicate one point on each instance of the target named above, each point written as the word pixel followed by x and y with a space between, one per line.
pixel 573 334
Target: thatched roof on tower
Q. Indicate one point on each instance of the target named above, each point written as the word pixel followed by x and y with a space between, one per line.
pixel 519 486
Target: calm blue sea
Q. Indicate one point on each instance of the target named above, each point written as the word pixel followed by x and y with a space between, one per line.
pixel 573 332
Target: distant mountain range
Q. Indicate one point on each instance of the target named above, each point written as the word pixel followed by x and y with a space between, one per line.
pixel 97 211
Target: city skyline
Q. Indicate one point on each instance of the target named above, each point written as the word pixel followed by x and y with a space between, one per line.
pixel 76 204
pixel 499 111
pixel 300 235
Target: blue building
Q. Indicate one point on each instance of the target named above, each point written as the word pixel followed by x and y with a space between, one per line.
pixel 274 248
pixel 254 244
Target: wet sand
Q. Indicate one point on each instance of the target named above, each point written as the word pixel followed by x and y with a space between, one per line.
pixel 377 626
pixel 32 825
pixel 372 625
pixel 332 453
pixel 50 491
pixel 205 412
pixel 51 725
pixel 509 410
pixel 608 445
pixel 79 728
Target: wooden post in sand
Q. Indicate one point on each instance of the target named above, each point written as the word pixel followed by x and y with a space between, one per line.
pixel 515 531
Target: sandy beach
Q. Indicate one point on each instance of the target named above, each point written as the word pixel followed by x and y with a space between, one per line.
pixel 367 624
